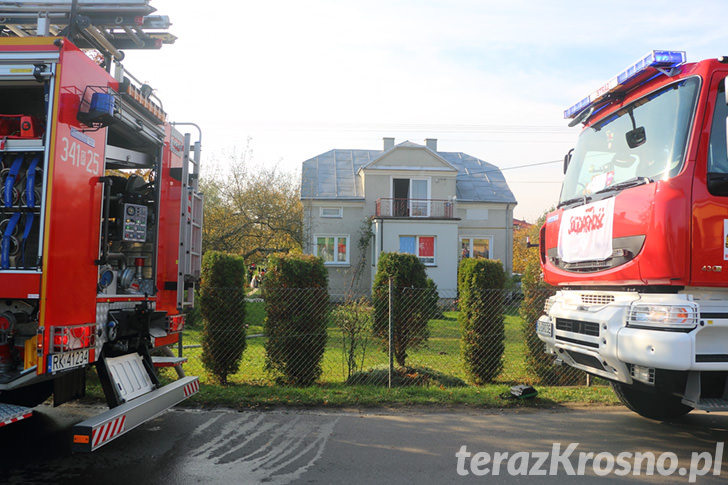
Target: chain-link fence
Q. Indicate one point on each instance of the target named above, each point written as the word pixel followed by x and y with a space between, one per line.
pixel 396 336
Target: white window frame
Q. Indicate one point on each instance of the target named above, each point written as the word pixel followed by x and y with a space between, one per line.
pixel 339 212
pixel 470 245
pixel 417 247
pixel 336 237
pixel 410 204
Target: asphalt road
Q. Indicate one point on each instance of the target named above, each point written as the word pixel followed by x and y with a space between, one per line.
pixel 373 446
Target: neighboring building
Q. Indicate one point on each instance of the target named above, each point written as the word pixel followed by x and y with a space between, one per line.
pixel 441 206
pixel 518 224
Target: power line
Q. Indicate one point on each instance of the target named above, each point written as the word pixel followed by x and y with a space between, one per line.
pixel 497 169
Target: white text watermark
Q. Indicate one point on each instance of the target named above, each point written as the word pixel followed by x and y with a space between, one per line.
pixel 569 461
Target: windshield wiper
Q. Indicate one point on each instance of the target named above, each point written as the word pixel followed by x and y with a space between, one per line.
pixel 584 199
pixel 633 182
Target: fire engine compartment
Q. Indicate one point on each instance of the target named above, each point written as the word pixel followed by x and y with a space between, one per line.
pixel 131 141
pixel 101 221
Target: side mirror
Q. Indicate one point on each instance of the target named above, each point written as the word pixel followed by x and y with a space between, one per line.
pixel 567 159
pixel 718 184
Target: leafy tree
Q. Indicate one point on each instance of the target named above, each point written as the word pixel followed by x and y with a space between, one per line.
pixel 535 294
pixel 251 210
pixel 523 256
pixel 414 303
pixel 222 305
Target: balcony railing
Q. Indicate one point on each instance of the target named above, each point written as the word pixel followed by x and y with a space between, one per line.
pixel 415 208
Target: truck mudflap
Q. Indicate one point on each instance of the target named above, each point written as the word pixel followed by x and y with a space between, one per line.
pixel 10 413
pixel 99 430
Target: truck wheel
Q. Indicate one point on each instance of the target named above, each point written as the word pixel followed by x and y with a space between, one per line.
pixel 653 404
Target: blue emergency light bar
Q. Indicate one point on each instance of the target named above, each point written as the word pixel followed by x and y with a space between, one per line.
pixel 653 59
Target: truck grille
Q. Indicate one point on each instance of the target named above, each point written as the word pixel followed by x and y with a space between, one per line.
pixel 585 359
pixel 576 326
pixel 592 299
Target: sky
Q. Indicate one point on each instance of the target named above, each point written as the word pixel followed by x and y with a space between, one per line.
pixel 289 80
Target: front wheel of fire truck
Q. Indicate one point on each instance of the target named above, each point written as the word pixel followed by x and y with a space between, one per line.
pixel 653 403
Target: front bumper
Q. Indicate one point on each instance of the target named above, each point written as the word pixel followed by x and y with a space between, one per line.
pixel 589 330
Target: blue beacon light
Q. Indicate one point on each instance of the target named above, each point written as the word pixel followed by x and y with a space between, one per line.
pixel 653 59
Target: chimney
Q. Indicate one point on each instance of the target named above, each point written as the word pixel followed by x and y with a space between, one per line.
pixel 431 143
pixel 388 143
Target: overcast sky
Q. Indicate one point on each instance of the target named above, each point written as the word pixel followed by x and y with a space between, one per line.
pixel 488 78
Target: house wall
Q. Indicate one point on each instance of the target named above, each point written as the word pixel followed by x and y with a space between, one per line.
pixel 482 219
pixel 444 271
pixel 349 225
pixel 378 184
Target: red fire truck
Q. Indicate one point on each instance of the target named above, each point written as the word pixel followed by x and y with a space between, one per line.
pixel 100 218
pixel 638 244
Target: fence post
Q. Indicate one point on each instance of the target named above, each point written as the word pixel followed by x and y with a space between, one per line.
pixel 391 338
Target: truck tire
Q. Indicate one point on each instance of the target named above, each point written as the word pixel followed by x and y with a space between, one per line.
pixel 653 404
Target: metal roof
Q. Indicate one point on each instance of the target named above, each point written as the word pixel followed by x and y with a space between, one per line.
pixel 332 175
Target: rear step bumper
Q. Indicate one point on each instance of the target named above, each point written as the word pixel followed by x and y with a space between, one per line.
pixel 10 413
pixel 159 361
pixel 99 430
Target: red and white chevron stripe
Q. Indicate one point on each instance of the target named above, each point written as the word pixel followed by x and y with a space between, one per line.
pixel 16 418
pixel 108 431
pixel 192 388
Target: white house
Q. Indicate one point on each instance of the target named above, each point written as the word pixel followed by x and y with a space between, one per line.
pixel 441 206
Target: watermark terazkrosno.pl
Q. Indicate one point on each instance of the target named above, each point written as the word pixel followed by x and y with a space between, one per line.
pixel 568 460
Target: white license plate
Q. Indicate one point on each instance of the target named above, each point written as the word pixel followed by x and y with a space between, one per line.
pixel 544 328
pixel 67 360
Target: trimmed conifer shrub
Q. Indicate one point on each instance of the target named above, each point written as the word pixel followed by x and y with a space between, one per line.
pixel 222 306
pixel 297 306
pixel 481 305
pixel 414 303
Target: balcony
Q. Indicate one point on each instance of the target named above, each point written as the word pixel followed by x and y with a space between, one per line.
pixel 416 208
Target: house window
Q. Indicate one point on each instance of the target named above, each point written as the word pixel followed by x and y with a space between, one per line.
pixel 332 212
pixel 411 197
pixel 476 247
pixel 332 249
pixel 421 246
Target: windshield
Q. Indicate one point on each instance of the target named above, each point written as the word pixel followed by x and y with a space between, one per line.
pixel 614 153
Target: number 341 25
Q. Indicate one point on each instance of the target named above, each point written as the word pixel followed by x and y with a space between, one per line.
pixel 79 156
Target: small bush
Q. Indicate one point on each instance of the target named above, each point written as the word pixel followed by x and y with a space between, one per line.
pixel 296 303
pixel 354 319
pixel 414 303
pixel 222 306
pixel 480 287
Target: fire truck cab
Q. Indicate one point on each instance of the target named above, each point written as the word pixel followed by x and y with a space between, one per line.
pixel 638 245
pixel 100 218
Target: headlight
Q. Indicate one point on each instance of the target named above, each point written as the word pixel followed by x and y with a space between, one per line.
pixel 666 317
pixel 548 304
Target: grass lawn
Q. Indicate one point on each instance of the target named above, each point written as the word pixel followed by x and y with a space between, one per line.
pixel 252 386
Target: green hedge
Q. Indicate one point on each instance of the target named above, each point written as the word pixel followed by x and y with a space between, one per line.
pixel 297 306
pixel 414 303
pixel 481 304
pixel 222 306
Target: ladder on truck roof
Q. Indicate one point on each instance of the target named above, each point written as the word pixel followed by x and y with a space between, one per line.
pixel 104 25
